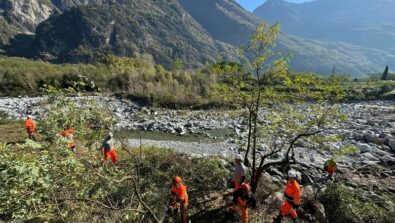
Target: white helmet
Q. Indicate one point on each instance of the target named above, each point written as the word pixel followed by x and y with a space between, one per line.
pixel 239 157
pixel 110 134
pixel 293 174
pixel 29 116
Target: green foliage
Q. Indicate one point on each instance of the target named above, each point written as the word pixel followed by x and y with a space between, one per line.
pixel 346 150
pixel 368 90
pixel 281 107
pixel 46 181
pixel 56 185
pixel 135 77
pixel 3 116
pixel 3 146
pixel 90 121
pixel 344 205
pixel 178 64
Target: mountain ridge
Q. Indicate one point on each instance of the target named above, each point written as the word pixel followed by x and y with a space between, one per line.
pixel 367 23
pixel 214 28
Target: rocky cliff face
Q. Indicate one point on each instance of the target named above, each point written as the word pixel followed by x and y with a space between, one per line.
pixel 26 14
pixel 224 20
pixel 65 5
pixel 162 29
pixel 22 17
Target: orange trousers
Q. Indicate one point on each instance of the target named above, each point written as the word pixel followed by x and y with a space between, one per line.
pixel 286 210
pixel 242 206
pixel 244 214
pixel 110 154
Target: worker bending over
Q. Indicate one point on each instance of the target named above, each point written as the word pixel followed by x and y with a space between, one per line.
pixel 69 135
pixel 179 198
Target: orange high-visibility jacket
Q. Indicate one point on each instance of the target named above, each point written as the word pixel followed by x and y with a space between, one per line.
pixel 181 192
pixel 30 124
pixel 67 132
pixel 292 190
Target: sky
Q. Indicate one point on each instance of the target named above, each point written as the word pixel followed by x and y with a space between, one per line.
pixel 250 5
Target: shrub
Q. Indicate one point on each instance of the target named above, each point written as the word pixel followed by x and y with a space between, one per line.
pixel 344 205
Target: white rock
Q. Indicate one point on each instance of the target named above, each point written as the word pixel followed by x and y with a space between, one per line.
pixel 364 148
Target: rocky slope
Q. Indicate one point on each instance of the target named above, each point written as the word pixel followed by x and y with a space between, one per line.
pixel 65 5
pixel 224 20
pixel 161 29
pixel 26 15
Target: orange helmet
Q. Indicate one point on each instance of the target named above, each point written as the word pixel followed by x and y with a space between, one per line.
pixel 245 187
pixel 177 179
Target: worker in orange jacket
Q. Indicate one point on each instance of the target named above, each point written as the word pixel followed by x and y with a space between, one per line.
pixel 243 198
pixel 30 126
pixel 69 134
pixel 108 150
pixel 330 167
pixel 292 194
pixel 179 198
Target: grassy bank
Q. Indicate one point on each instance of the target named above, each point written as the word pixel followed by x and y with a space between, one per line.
pixel 144 81
pixel 141 79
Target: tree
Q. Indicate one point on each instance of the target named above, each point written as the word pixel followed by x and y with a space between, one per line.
pixel 275 101
pixel 384 77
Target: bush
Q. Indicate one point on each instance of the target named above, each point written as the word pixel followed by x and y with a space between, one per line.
pixel 53 184
pixel 46 182
pixel 344 205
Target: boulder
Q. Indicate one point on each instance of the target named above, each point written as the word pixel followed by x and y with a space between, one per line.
pixel 368 137
pixel 275 200
pixel 319 214
pixel 391 144
pixel 387 139
pixel 387 160
pixel 379 152
pixel 364 148
pixel 369 156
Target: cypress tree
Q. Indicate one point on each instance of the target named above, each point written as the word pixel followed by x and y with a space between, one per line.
pixel 384 77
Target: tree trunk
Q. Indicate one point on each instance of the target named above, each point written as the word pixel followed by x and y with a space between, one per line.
pixel 255 122
pixel 246 162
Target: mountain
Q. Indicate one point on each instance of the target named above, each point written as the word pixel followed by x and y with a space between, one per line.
pixel 319 56
pixel 227 21
pixel 368 23
pixel 159 28
pixel 196 31
pixel 21 16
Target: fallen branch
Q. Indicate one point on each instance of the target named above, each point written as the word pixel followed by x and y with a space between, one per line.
pixel 149 210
